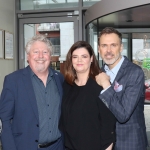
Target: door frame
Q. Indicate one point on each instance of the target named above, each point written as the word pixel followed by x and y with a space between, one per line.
pixel 38 20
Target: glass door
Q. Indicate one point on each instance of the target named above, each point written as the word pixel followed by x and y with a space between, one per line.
pixel 126 45
pixel 61 31
pixel 141 57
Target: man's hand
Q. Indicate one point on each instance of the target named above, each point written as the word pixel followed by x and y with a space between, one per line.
pixel 110 147
pixel 103 80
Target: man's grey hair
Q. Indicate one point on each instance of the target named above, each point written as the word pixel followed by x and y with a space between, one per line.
pixel 41 38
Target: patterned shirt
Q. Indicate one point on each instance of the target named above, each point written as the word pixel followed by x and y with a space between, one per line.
pixel 48 103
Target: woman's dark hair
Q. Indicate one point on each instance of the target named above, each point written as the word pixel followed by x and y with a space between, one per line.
pixel 109 30
pixel 70 73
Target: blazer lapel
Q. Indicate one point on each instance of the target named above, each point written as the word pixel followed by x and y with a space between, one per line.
pixel 29 88
pixel 121 70
pixel 58 83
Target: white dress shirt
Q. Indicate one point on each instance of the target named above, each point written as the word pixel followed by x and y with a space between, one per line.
pixel 112 72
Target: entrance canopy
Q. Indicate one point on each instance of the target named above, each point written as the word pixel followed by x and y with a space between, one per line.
pixel 119 13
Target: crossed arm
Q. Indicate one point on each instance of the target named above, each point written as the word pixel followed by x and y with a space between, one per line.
pixel 122 104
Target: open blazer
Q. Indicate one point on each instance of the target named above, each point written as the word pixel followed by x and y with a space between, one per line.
pixel 18 103
pixel 127 104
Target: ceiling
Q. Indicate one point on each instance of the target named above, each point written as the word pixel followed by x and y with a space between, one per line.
pixel 137 17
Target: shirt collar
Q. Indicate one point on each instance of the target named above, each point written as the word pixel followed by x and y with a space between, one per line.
pixel 116 68
pixel 49 75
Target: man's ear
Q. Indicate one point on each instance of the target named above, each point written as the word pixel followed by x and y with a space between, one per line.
pixel 27 58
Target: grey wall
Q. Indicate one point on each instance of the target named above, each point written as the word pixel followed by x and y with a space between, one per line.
pixel 7 20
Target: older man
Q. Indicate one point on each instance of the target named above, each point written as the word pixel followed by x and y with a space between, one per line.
pixel 30 102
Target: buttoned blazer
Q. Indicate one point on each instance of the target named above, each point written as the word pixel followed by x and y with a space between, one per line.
pixel 18 104
pixel 128 105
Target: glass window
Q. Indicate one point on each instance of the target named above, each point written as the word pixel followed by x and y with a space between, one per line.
pixel 47 4
pixel 88 3
pixel 141 56
pixel 125 42
pixel 56 33
pixel 92 36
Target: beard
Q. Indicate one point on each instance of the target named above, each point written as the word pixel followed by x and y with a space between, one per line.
pixel 112 60
pixel 40 66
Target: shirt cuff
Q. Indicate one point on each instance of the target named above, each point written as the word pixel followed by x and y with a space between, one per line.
pixel 105 89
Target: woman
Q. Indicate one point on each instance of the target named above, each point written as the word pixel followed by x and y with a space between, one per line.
pixel 86 122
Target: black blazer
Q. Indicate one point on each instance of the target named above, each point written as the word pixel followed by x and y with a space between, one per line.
pixel 86 122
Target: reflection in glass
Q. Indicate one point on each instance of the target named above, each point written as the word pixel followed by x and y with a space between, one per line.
pixel 52 4
pixel 55 65
pixel 47 4
pixel 88 3
pixel 141 56
pixel 125 47
pixel 56 33
pixel 48 27
pixel 92 37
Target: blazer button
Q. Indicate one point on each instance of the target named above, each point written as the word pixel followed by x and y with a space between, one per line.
pixel 37 125
pixel 36 140
pixel 112 132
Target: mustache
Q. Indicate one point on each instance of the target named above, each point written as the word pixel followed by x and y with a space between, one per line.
pixel 109 53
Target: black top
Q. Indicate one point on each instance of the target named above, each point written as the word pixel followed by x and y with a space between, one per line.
pixel 86 122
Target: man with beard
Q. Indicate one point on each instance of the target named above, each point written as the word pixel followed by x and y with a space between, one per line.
pixel 30 102
pixel 123 92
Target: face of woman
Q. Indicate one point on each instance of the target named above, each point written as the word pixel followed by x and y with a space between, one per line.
pixel 81 60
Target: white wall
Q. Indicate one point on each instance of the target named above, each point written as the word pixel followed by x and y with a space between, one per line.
pixel 7 15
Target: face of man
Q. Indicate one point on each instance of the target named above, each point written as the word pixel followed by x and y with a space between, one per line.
pixel 110 49
pixel 39 57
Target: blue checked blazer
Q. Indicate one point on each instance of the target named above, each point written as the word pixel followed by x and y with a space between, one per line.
pixel 128 105
pixel 18 103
